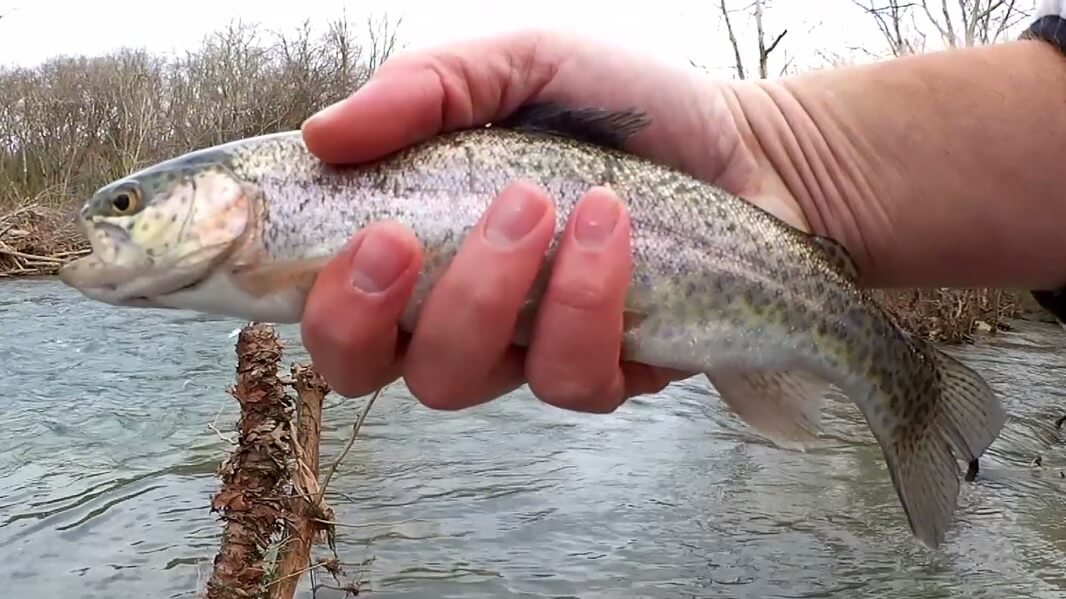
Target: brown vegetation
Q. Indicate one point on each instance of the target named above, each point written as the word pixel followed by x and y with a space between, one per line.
pixel 35 238
pixel 254 478
pixel 72 124
pixel 951 315
pixel 270 501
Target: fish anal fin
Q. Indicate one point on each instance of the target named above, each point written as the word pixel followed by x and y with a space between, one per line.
pixel 599 126
pixel 259 280
pixel 837 255
pixel 782 405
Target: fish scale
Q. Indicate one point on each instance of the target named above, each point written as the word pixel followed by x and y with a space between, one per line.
pixel 770 314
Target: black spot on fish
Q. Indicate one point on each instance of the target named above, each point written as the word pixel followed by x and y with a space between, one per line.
pixel 599 126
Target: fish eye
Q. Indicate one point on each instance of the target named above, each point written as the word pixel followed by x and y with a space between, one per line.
pixel 126 201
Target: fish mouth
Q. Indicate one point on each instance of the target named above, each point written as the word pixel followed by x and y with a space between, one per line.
pixel 117 271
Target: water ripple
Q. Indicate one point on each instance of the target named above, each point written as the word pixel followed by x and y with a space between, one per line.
pixel 108 465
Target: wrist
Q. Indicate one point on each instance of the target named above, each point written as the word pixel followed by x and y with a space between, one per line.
pixel 935 170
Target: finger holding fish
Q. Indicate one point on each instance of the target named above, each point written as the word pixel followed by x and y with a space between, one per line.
pixel 466 324
pixel 575 349
pixel 355 306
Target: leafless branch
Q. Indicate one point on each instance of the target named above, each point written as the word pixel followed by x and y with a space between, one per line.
pixel 739 64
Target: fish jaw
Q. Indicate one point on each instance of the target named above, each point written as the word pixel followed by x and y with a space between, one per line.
pixel 224 293
pixel 265 294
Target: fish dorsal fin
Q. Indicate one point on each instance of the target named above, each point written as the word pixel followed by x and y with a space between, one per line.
pixel 600 126
pixel 837 255
pixel 783 406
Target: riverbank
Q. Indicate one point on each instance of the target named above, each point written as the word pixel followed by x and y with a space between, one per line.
pixel 36 238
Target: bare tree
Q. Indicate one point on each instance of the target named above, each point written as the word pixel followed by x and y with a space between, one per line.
pixel 897 23
pixel 976 22
pixel 763 49
pixel 383 40
pixel 760 34
pixel 960 23
pixel 739 65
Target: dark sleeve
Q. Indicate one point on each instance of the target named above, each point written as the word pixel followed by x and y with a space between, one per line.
pixel 1049 25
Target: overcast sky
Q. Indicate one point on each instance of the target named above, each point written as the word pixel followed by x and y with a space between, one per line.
pixel 676 30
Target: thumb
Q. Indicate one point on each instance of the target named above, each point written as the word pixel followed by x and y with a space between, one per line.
pixel 413 97
pixel 350 323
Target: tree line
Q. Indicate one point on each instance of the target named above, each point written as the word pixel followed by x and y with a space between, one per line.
pixel 73 123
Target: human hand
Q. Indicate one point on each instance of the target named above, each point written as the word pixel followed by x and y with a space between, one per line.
pixel 460 352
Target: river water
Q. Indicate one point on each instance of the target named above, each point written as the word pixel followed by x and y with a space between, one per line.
pixel 107 464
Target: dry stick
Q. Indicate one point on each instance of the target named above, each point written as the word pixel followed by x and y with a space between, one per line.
pixel 252 497
pixel 295 557
pixel 8 252
pixel 256 473
pixel 351 441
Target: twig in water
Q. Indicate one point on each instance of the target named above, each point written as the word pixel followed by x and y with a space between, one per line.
pixel 295 574
pixel 351 441
pixel 213 425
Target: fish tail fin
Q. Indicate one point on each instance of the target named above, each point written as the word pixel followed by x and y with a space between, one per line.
pixel 963 417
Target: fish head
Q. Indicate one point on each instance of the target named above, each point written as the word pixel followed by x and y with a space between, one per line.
pixel 158 232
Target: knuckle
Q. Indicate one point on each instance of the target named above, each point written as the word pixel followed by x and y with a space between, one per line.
pixel 561 387
pixel 319 337
pixel 347 388
pixel 481 302
pixel 580 294
pixel 434 392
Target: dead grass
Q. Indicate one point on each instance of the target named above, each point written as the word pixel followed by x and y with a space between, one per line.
pixel 951 315
pixel 36 237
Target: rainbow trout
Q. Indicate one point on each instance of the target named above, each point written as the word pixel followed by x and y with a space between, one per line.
pixel 772 316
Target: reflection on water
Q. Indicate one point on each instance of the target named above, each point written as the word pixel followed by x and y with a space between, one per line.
pixel 107 469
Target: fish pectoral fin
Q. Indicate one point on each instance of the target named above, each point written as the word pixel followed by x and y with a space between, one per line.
pixel 259 280
pixel 784 406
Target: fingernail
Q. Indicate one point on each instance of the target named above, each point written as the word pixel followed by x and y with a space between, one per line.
pixel 378 262
pixel 596 218
pixel 512 216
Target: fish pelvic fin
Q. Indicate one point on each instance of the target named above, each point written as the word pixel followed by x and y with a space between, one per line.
pixel 963 418
pixel 783 406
